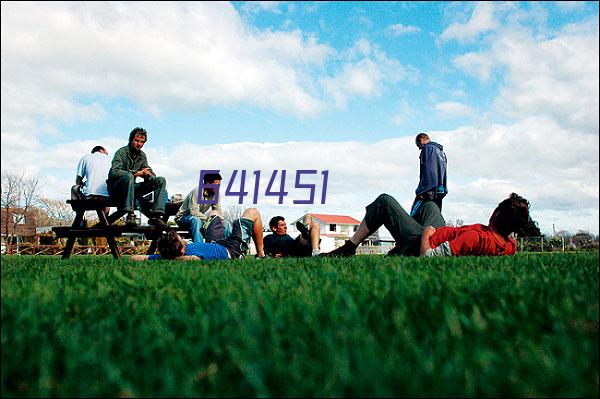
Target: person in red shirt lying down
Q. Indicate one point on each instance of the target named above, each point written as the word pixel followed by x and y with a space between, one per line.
pixel 425 234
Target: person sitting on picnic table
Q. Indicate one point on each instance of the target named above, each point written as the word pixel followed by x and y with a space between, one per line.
pixel 280 244
pixel 232 244
pixel 129 163
pixel 92 171
pixel 413 239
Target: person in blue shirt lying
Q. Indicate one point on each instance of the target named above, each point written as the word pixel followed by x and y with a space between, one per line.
pixel 232 244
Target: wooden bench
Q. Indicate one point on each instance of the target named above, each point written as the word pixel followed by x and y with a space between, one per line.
pixel 106 228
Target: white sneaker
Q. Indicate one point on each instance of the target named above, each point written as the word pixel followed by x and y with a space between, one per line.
pixel 315 252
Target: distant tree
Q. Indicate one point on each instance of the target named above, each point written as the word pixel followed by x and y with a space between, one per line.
pixel 17 193
pixel 564 234
pixel 57 213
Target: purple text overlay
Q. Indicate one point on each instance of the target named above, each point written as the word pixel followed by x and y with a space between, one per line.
pixel 305 184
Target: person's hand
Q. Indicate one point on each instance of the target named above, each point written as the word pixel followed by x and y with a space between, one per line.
pixel 429 231
pixel 144 172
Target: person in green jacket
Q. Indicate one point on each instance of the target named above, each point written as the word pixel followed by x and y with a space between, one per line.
pixel 129 163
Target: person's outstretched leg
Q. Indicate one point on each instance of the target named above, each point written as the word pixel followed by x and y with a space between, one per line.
pixel 385 211
pixel 257 230
pixel 311 233
pixel 194 225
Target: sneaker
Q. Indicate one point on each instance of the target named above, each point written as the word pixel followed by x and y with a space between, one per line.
pixel 394 251
pixel 131 220
pixel 303 229
pixel 158 222
pixel 348 249
pixel 315 252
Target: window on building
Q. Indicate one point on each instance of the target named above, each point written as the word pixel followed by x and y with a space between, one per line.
pixel 18 218
pixel 332 227
pixel 355 228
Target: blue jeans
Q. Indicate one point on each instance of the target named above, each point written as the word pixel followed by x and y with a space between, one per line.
pixel 194 225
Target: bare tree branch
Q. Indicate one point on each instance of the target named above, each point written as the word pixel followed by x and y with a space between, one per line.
pixel 57 212
pixel 18 195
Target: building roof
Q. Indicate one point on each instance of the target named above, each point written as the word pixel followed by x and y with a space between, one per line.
pixel 335 219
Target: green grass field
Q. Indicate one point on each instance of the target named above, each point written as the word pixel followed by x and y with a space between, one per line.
pixel 365 326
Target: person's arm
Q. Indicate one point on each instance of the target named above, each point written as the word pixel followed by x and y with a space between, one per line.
pixel 443 249
pixel 194 206
pixel 81 166
pixel 145 168
pixel 425 236
pixel 139 258
pixel 118 167
pixel 188 257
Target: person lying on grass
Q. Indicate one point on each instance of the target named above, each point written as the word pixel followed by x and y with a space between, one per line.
pixel 280 244
pixel 436 239
pixel 233 243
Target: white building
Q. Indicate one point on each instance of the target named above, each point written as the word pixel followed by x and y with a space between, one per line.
pixel 335 229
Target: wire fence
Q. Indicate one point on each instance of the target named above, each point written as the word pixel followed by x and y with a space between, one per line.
pixel 56 249
pixel 525 244
pixel 557 244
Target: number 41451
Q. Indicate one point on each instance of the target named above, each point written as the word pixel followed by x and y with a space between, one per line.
pixel 271 190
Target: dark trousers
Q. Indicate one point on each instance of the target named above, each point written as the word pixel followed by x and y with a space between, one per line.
pixel 124 190
pixel 406 230
pixel 420 200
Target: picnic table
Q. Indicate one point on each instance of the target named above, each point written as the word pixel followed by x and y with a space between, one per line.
pixel 106 227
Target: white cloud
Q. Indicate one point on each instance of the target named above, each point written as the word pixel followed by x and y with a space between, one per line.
pixel 482 20
pixel 570 6
pixel 399 29
pixel 367 76
pixel 557 78
pixel 183 55
pixel 405 112
pixel 478 64
pixel 451 109
pixel 554 76
pixel 258 6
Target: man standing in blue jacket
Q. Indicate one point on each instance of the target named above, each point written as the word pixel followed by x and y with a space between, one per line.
pixel 432 175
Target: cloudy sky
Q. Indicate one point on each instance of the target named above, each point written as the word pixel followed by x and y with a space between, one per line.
pixel 509 89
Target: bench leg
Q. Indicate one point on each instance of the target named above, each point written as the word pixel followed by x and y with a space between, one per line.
pixel 113 217
pixel 68 248
pixel 114 249
pixel 71 240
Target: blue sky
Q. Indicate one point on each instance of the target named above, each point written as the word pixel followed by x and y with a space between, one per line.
pixel 509 88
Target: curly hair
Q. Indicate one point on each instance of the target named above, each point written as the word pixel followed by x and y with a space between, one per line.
pixel 170 245
pixel 511 215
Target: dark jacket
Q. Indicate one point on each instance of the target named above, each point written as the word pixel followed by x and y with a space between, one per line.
pixel 127 162
pixel 432 176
